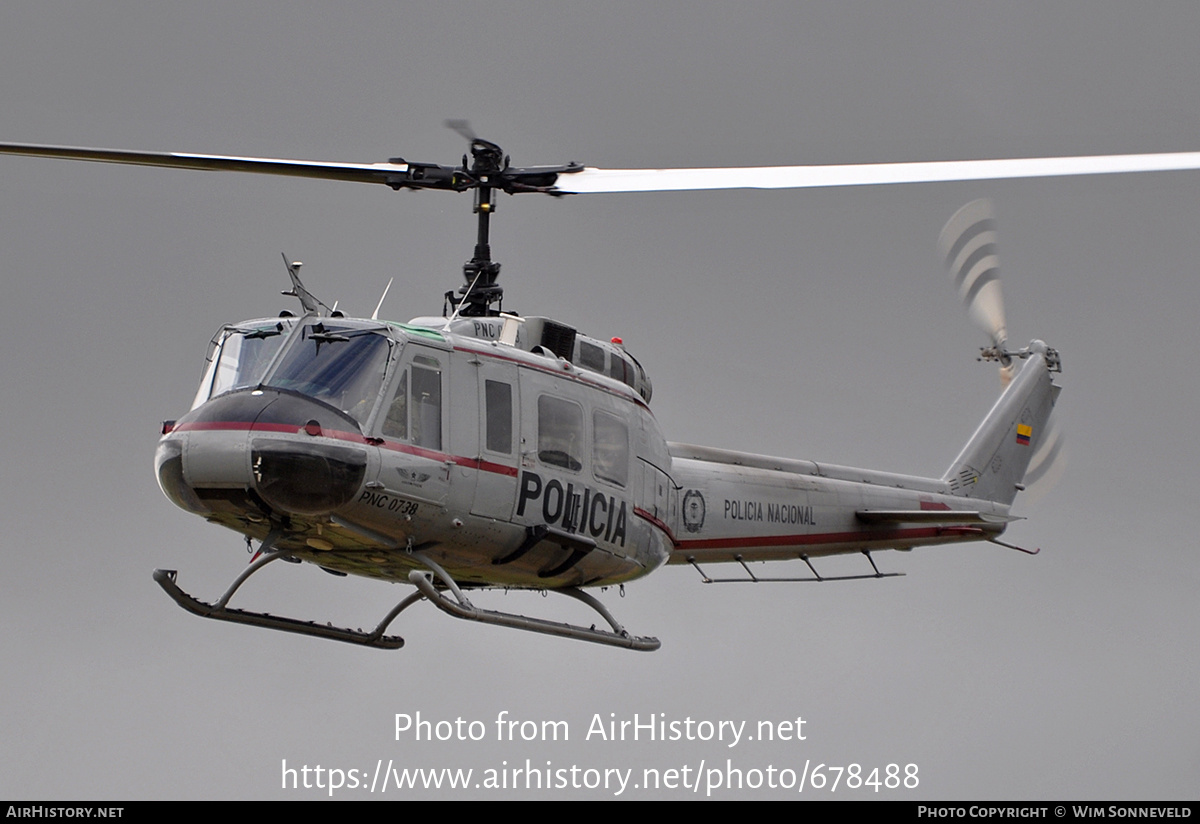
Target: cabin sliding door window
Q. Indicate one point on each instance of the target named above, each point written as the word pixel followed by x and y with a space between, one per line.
pixel 610 448
pixel 499 403
pixel 560 433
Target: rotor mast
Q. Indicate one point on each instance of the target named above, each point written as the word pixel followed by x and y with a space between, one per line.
pixel 481 290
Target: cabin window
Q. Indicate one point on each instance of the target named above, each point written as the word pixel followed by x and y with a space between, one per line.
pixel 498 400
pixel 240 357
pixel 244 361
pixel 623 371
pixel 610 448
pixel 591 357
pixel 617 368
pixel 560 433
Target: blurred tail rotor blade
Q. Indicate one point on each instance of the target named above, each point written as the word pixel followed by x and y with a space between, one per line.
pixel 1048 463
pixel 1007 370
pixel 968 246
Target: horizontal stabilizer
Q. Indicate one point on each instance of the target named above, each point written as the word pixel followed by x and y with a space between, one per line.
pixel 930 516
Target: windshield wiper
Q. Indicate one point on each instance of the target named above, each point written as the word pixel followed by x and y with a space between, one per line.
pixel 261 334
pixel 319 335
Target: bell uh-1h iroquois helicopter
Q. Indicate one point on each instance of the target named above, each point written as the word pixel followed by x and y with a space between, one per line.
pixel 484 450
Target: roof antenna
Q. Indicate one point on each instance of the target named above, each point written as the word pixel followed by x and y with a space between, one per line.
pixel 375 315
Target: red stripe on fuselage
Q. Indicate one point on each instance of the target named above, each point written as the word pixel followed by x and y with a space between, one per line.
pixel 641 513
pixel 827 538
pixel 576 375
pixel 805 539
pixel 232 426
pixel 352 437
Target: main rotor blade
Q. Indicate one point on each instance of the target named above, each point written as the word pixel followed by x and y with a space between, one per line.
pixel 386 173
pixel 592 180
pixel 561 180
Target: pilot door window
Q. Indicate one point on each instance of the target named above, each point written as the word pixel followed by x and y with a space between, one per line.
pixel 415 411
pixel 560 433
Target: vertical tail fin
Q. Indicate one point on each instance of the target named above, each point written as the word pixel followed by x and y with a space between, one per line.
pixel 993 463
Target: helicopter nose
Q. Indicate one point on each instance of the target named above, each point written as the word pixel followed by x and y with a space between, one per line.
pixel 263 451
pixel 306 478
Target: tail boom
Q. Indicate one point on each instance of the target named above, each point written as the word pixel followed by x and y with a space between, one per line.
pixel 738 507
pixel 742 507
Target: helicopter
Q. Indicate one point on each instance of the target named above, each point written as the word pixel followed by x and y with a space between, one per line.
pixel 480 449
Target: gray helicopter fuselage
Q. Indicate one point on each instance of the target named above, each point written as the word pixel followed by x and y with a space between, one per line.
pixel 531 460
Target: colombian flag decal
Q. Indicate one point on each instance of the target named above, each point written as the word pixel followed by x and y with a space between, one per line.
pixel 1024 433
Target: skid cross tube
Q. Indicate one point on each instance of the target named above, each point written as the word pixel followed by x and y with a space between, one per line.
pixel 461 607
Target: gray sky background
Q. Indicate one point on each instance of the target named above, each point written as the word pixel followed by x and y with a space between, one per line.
pixel 813 324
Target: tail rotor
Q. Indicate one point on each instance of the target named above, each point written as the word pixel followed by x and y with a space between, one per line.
pixel 968 246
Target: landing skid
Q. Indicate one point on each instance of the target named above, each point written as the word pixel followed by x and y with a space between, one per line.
pixel 460 607
pixel 219 612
